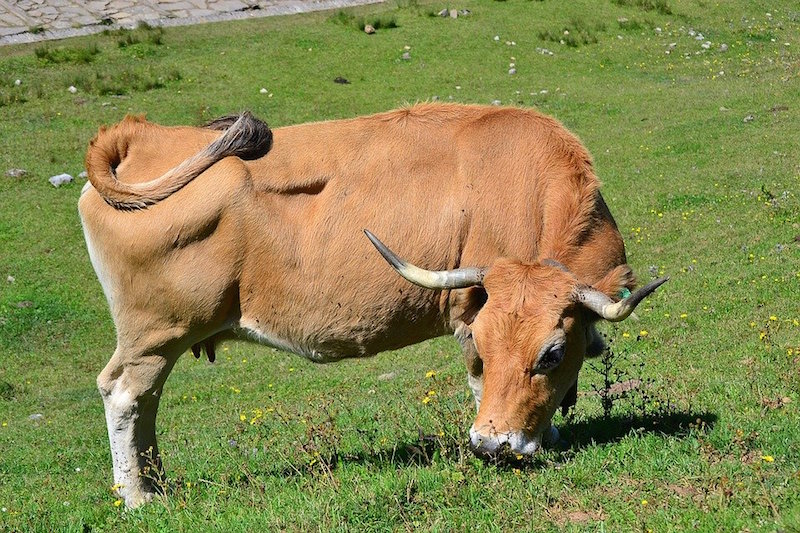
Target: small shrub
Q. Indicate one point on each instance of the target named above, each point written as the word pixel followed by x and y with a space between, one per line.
pixel 628 385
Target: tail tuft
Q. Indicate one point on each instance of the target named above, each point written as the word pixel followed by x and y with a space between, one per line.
pixel 247 137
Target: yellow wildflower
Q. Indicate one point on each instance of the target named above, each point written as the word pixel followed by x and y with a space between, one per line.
pixel 430 373
pixel 644 503
pixel 242 417
pixel 426 399
pixel 768 458
pixel 643 333
pixel 117 503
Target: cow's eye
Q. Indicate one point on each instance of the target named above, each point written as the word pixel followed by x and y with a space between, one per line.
pixel 550 357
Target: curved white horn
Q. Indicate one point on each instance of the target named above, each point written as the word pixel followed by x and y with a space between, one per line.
pixel 430 279
pixel 604 306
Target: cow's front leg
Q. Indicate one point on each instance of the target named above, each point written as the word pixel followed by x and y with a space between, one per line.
pixel 473 362
pixel 131 389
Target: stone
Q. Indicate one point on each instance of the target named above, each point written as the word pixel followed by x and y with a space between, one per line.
pixel 368 29
pixel 453 14
pixel 387 376
pixel 406 56
pixel 60 179
pixel 748 118
pixel 72 89
pixel 36 417
pixel 444 13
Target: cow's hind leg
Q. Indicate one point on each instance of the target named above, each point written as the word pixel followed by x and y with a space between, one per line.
pixel 131 385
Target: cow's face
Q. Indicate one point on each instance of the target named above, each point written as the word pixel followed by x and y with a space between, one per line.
pixel 532 335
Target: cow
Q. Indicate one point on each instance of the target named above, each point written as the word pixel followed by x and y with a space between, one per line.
pixel 198 234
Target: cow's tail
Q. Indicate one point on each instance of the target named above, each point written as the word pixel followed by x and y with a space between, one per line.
pixel 246 137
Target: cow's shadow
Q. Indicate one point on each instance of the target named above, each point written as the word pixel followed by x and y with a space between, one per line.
pixel 610 429
pixel 575 436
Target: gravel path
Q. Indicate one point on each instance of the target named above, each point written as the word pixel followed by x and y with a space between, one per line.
pixel 26 21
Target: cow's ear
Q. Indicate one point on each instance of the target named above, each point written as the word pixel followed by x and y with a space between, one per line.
pixel 617 283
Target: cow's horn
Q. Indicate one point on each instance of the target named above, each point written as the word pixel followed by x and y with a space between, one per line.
pixel 604 306
pixel 430 279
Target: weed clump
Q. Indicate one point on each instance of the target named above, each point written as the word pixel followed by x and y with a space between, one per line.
pixel 60 55
pixel 576 33
pixel 659 6
pixel 378 22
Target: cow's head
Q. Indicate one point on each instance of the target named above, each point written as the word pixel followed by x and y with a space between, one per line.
pixel 531 334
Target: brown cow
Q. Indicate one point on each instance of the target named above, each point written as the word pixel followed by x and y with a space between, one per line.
pixel 196 235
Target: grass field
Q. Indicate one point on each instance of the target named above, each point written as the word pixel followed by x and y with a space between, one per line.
pixel 691 111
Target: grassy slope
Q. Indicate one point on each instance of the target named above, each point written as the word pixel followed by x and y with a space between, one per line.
pixel 698 193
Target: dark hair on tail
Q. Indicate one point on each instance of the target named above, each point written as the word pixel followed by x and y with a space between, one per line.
pixel 245 136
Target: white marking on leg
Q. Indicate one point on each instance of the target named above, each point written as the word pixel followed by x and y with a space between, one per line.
pixel 121 417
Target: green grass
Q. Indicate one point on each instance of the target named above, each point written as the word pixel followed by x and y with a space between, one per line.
pixel 698 193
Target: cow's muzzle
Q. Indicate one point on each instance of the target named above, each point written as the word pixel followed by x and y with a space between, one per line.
pixel 517 442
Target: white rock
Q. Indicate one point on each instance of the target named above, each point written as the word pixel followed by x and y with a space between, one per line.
pixel 368 29
pixel 36 416
pixel 706 45
pixel 512 71
pixel 72 89
pixel 496 102
pixel 496 37
pixel 17 82
pixel 11 279
pixel 263 90
pixel 723 47
pixel 83 175
pixel 60 179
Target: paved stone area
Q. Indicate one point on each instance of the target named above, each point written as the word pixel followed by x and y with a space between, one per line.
pixel 25 21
